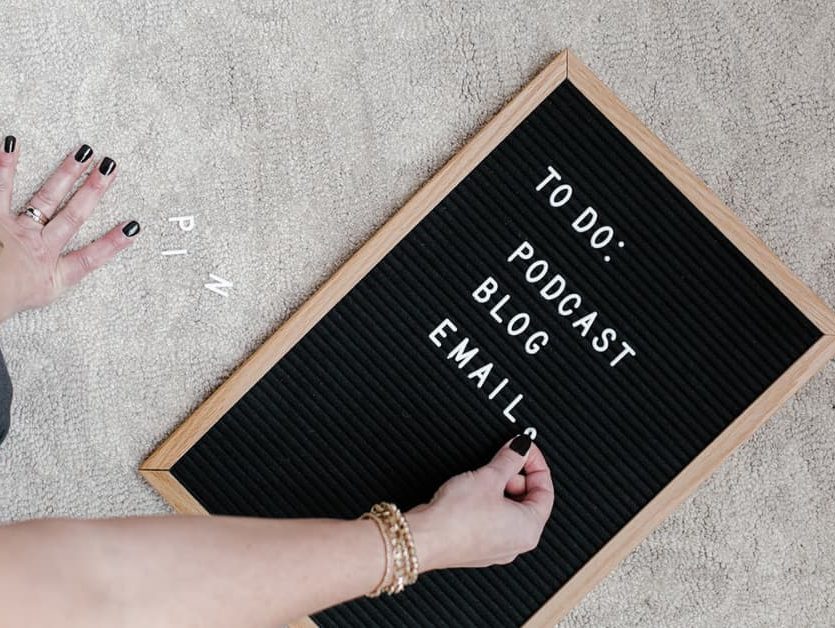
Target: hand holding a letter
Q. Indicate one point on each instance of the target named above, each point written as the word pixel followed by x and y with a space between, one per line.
pixel 487 516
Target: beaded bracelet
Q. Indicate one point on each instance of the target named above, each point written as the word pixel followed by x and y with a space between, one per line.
pixel 401 557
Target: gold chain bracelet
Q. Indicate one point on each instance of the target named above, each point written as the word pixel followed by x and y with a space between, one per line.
pixel 401 557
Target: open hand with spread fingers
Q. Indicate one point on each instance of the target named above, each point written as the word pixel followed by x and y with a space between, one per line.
pixel 33 272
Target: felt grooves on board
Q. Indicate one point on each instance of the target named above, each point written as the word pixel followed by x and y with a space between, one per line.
pixel 366 408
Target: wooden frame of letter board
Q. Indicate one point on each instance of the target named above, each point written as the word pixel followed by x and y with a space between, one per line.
pixel 156 469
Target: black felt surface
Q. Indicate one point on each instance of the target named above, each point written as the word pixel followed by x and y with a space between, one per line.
pixel 366 408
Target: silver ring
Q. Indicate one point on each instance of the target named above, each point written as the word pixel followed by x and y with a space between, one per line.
pixel 37 215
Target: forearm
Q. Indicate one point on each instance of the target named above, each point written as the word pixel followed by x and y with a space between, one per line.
pixel 204 571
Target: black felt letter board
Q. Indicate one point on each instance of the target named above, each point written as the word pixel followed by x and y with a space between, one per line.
pixel 366 407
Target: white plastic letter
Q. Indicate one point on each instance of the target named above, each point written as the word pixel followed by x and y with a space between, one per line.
pixel 627 350
pixel 589 215
pixel 460 354
pixel 486 290
pixel 553 174
pixel 218 285
pixel 525 251
pixel 186 222
pixel 441 331
pixel 598 241
pixel 538 264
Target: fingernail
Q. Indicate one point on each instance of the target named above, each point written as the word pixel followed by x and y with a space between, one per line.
pixel 521 444
pixel 83 154
pixel 131 229
pixel 9 143
pixel 107 166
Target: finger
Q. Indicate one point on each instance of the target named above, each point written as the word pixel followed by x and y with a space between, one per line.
pixel 511 458
pixel 516 487
pixel 68 221
pixel 8 165
pixel 539 484
pixel 60 183
pixel 74 266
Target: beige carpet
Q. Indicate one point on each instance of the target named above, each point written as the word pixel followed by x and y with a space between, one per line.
pixel 293 130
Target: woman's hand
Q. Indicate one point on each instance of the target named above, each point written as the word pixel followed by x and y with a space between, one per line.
pixel 488 516
pixel 32 271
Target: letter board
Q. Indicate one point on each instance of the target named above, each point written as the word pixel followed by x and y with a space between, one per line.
pixel 563 274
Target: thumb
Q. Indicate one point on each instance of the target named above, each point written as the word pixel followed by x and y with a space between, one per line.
pixel 511 458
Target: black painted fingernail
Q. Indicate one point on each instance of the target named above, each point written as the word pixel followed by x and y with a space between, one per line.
pixel 521 444
pixel 83 154
pixel 131 229
pixel 107 166
pixel 9 143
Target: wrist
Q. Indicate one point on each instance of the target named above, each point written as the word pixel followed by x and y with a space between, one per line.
pixel 427 536
pixel 8 292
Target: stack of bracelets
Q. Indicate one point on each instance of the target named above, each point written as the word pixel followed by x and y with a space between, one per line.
pixel 401 557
